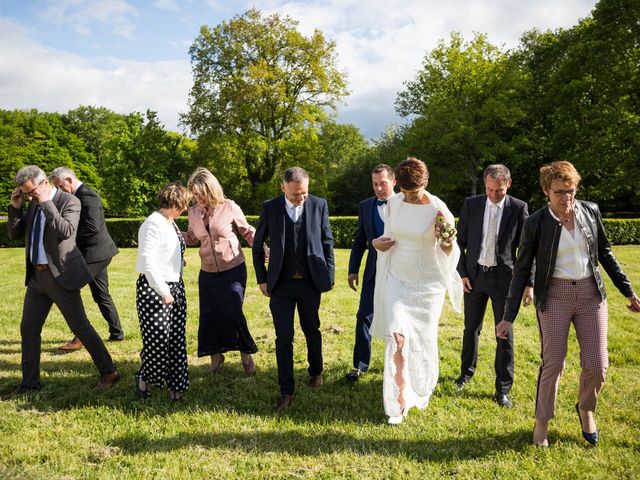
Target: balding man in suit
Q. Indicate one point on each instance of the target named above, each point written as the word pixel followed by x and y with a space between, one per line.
pixel 97 247
pixel 301 267
pixel 55 272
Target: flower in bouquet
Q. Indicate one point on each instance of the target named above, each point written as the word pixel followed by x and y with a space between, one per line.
pixel 445 232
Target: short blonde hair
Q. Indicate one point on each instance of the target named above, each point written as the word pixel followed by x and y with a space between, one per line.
pixel 558 170
pixel 175 196
pixel 204 183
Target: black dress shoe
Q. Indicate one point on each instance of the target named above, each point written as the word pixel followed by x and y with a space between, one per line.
pixel 24 390
pixel 503 400
pixel 462 381
pixel 284 402
pixel 115 338
pixel 354 375
pixel 592 438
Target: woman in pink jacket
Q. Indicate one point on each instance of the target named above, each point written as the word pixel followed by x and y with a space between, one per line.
pixel 215 222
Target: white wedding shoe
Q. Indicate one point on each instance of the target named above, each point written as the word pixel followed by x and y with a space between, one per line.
pixel 395 420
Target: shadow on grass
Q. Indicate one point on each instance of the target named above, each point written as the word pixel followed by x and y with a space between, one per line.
pixel 313 444
pixel 70 384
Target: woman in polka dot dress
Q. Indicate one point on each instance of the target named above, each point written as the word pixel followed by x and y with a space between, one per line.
pixel 160 297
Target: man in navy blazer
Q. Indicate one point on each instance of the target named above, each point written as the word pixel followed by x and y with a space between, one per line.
pixel 371 214
pixel 301 267
pixel 489 231
pixel 97 247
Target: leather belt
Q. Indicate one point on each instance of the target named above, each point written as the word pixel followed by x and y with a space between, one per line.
pixel 42 267
pixel 484 268
pixel 297 276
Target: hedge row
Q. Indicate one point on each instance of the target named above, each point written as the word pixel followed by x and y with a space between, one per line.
pixel 124 231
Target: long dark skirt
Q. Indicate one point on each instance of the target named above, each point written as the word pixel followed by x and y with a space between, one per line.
pixel 223 326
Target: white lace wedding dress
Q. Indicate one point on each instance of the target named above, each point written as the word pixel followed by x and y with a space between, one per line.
pixel 411 282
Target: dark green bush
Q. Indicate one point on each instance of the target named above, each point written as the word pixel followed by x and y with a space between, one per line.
pixel 124 231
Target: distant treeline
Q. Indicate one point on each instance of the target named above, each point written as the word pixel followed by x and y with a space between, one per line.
pixel 571 94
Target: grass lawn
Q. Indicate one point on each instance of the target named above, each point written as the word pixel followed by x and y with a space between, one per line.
pixel 226 426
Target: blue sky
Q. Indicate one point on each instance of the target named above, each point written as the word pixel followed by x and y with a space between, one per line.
pixel 132 55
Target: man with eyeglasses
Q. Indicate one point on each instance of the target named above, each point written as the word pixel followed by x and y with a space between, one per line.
pixel 55 272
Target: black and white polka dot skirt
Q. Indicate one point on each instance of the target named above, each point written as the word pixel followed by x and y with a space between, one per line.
pixel 164 345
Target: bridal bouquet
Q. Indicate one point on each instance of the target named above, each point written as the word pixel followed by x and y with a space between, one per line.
pixel 445 232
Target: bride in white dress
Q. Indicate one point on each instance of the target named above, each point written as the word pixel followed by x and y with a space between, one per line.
pixel 414 270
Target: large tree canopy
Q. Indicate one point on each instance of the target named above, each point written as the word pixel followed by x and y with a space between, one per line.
pixel 466 116
pixel 259 85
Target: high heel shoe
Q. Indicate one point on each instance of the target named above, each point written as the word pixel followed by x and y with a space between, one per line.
pixel 248 364
pixel 142 393
pixel 592 438
pixel 217 361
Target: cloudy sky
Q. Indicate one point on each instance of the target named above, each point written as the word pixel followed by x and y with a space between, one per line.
pixel 130 55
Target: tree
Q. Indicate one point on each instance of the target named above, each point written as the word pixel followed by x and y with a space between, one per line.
pixel 259 87
pixel 584 100
pixel 464 100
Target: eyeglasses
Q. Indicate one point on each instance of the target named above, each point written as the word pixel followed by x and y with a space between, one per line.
pixel 26 195
pixel 561 193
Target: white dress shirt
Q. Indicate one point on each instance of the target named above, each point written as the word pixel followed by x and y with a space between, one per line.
pixel 485 227
pixel 572 258
pixel 294 211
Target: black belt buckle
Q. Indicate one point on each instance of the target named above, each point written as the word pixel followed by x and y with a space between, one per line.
pixel 487 269
pixel 297 276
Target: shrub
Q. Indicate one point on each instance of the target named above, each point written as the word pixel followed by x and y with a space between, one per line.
pixel 124 231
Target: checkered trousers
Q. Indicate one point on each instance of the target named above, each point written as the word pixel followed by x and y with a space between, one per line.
pixel 577 302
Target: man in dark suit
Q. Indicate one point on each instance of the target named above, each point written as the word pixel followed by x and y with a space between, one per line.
pixel 489 230
pixel 97 248
pixel 301 267
pixel 55 272
pixel 371 213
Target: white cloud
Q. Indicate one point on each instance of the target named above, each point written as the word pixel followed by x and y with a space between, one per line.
pixel 380 43
pixel 83 15
pixel 33 76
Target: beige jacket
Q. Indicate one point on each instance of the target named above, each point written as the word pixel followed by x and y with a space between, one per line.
pixel 220 248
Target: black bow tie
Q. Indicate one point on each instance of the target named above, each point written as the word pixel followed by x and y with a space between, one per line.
pixel 381 202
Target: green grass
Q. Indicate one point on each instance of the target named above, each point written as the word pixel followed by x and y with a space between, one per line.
pixel 226 426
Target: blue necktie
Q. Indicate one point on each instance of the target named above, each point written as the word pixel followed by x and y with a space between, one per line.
pixel 381 202
pixel 35 248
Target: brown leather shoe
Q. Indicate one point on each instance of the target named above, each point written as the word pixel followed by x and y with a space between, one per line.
pixel 284 402
pixel 71 345
pixel 316 381
pixel 107 380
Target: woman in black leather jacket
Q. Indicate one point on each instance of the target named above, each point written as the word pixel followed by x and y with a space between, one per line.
pixel 564 242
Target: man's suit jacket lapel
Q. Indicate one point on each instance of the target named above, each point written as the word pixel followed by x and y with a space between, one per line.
pixel 367 211
pixel 504 221
pixel 309 213
pixel 478 214
pixel 281 211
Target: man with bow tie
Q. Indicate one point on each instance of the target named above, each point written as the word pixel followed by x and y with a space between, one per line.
pixel 55 272
pixel 371 214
